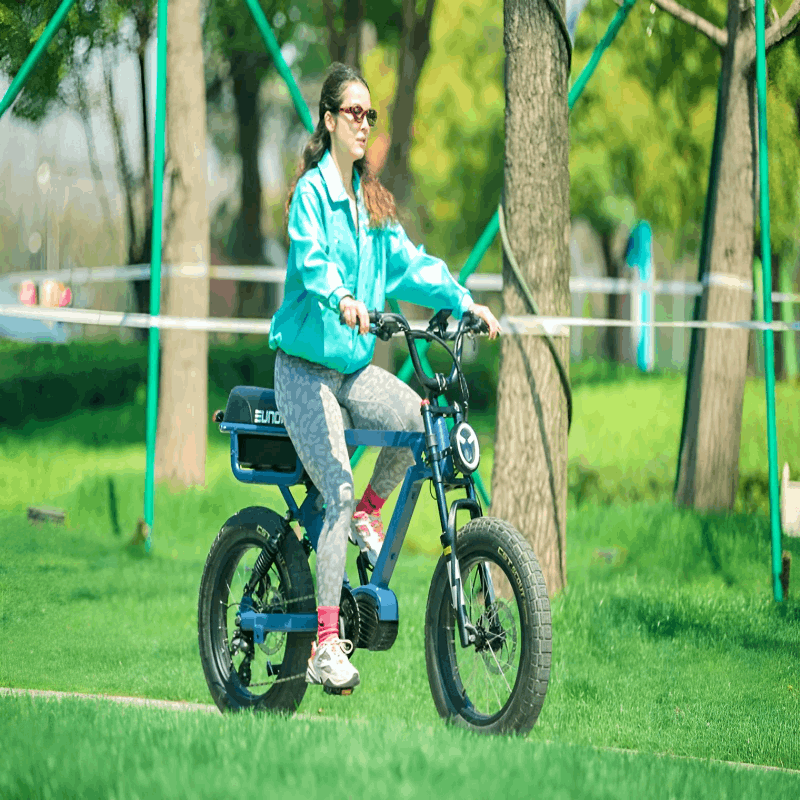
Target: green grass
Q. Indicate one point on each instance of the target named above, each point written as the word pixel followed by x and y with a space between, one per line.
pixel 624 443
pixel 665 641
pixel 93 750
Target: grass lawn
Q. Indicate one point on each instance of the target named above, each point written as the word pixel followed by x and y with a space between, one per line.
pixel 96 750
pixel 670 645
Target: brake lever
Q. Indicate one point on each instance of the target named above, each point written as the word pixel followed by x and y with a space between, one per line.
pixel 380 331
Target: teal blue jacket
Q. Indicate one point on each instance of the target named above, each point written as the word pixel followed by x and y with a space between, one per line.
pixel 328 261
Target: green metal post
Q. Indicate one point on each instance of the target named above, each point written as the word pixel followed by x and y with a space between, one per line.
pixel 769 344
pixel 609 36
pixel 155 270
pixel 33 59
pixel 280 64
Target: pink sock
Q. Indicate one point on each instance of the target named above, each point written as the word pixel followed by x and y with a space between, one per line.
pixel 327 623
pixel 370 503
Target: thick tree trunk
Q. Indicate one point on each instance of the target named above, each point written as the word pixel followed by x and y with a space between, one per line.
pixel 529 479
pixel 708 466
pixel 183 404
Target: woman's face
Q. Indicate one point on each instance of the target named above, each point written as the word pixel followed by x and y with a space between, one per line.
pixel 349 137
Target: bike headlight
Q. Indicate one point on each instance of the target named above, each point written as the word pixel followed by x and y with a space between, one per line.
pixel 466 451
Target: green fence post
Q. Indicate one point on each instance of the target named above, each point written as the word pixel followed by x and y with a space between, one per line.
pixel 155 271
pixel 766 262
pixel 280 64
pixel 33 59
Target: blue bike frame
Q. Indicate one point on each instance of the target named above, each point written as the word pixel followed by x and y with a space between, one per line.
pixel 310 514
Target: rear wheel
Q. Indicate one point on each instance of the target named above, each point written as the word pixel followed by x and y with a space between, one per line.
pixel 241 674
pixel 497 684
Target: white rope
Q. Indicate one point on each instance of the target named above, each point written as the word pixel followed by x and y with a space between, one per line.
pixel 528 325
pixel 488 282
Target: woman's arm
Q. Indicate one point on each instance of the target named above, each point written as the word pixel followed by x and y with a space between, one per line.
pixel 415 277
pixel 319 275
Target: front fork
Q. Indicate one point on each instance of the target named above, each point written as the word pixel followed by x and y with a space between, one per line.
pixel 438 445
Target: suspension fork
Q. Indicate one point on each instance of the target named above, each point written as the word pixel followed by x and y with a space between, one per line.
pixel 436 446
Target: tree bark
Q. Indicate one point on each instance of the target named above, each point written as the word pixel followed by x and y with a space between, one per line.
pixel 183 404
pixel 254 299
pixel 529 478
pixel 613 336
pixel 415 45
pixel 139 250
pixel 708 465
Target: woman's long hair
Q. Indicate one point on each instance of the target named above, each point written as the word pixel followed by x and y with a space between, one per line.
pixel 378 199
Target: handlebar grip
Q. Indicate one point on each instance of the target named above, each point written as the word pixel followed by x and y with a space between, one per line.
pixel 374 317
pixel 475 323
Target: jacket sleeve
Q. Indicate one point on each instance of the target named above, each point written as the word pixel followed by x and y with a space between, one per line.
pixel 306 229
pixel 415 277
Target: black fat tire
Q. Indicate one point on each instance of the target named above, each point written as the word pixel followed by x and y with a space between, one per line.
pixel 498 543
pixel 245 530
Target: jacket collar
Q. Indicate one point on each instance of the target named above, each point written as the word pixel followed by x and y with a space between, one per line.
pixel 333 180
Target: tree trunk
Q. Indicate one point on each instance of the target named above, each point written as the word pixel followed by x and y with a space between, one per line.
pixel 183 404
pixel 529 479
pixel 708 465
pixel 344 40
pixel 139 250
pixel 254 299
pixel 414 48
pixel 612 336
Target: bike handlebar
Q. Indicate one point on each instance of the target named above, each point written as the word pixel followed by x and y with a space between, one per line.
pixel 385 324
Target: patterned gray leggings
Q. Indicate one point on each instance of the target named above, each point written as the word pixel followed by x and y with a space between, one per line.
pixel 316 404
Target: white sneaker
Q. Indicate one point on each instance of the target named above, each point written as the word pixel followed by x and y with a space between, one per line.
pixel 366 530
pixel 330 666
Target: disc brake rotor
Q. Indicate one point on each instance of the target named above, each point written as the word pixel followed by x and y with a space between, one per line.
pixel 274 603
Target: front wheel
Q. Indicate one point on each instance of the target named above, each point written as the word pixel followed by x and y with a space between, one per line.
pixel 498 683
pixel 242 674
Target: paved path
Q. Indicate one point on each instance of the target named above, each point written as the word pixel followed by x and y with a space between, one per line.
pixel 128 701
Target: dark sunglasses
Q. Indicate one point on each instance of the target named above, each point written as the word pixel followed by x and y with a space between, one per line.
pixel 359 113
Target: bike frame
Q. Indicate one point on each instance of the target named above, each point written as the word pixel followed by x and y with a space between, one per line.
pixel 311 517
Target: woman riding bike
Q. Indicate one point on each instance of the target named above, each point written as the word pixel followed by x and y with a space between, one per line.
pixel 347 254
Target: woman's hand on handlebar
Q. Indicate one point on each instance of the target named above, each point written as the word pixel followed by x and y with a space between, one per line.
pixel 353 312
pixel 484 313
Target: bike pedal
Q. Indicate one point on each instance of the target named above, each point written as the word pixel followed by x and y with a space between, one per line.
pixel 332 690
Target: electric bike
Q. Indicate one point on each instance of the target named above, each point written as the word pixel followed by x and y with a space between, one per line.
pixel 488 635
